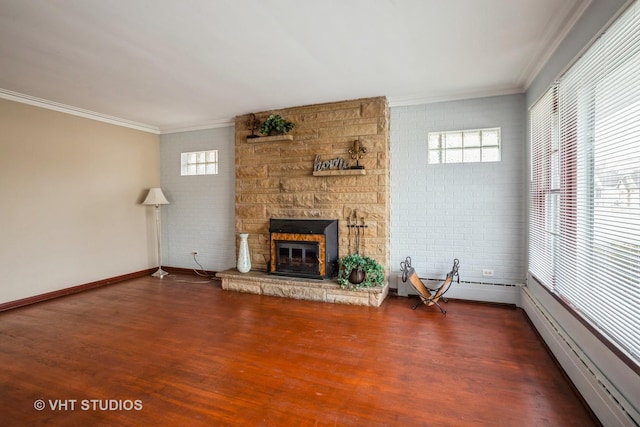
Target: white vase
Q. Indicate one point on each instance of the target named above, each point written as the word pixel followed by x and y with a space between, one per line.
pixel 244 260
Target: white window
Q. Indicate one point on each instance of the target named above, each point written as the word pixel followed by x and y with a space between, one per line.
pixel 199 163
pixel 584 212
pixel 464 146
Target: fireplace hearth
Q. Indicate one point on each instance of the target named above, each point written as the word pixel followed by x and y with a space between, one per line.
pixel 305 248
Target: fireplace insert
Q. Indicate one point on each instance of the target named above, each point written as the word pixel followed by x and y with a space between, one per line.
pixel 304 247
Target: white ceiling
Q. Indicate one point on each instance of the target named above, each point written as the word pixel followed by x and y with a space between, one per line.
pixel 167 65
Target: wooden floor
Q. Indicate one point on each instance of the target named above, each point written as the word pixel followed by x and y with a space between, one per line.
pixel 168 352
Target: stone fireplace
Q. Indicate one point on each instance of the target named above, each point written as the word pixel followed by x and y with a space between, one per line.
pixel 277 178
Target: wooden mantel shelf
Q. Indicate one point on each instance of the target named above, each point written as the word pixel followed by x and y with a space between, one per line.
pixel 275 138
pixel 337 172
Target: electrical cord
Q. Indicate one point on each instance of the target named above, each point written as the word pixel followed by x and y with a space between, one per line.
pixel 203 273
pixel 190 281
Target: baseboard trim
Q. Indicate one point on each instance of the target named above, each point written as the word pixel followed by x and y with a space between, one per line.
pixel 190 271
pixel 470 291
pixel 73 290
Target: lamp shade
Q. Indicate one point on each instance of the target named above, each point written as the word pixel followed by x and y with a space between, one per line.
pixel 155 197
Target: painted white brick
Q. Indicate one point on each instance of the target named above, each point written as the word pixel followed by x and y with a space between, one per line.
pixel 474 212
pixel 201 214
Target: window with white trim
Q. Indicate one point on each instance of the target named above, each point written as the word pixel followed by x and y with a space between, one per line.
pixel 199 163
pixel 584 227
pixel 464 146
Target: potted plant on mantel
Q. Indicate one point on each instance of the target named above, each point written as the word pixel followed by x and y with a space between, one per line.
pixel 276 125
pixel 357 271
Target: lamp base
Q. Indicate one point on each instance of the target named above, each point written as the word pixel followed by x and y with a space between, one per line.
pixel 160 273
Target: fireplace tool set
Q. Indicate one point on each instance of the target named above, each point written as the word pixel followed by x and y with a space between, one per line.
pixel 358 225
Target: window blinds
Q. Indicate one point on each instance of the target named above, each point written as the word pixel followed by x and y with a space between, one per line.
pixel 543 204
pixel 585 184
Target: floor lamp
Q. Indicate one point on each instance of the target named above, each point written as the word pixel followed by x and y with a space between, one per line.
pixel 155 197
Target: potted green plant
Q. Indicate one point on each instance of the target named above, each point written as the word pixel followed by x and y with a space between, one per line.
pixel 276 125
pixel 357 271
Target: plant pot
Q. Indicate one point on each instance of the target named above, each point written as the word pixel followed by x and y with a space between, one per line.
pixel 356 276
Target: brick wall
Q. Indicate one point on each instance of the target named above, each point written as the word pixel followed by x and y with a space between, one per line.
pixel 275 179
pixel 471 211
pixel 201 214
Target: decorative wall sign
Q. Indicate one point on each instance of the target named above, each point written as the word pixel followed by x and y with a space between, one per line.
pixel 337 163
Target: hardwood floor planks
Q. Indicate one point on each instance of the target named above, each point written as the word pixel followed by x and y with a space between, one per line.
pixel 193 354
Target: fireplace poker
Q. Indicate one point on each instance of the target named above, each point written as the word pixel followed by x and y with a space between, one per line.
pixel 361 232
pixel 349 232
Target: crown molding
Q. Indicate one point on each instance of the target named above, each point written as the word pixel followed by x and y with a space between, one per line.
pixel 538 61
pixel 55 106
pixel 202 126
pixel 75 111
pixel 407 101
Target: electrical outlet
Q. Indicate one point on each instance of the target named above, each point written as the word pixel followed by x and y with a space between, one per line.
pixel 487 272
pixel 194 252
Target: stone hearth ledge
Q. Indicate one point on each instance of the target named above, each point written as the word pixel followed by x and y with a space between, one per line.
pixel 261 283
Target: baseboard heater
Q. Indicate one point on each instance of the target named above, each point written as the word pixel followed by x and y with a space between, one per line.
pixel 609 405
pixel 466 290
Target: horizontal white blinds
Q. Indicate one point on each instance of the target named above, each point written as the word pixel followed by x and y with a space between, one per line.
pixel 543 204
pixel 588 250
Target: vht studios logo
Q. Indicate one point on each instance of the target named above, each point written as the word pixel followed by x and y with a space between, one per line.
pixel 88 405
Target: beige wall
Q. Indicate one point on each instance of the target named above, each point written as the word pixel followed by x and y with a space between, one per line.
pixel 70 190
